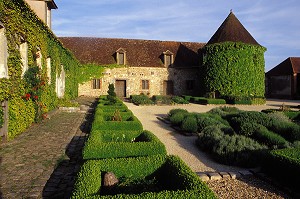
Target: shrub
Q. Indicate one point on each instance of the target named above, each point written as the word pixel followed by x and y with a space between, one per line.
pixel 162 99
pixel 287 160
pixel 245 100
pixel 141 99
pixel 174 111
pixel 289 130
pixel 189 124
pixel 293 115
pixel 224 110
pixel 279 116
pixel 179 100
pixel 210 101
pixel 111 94
pixel 187 97
pixel 231 150
pixel 175 178
pixel 177 118
pixel 131 125
pixel 206 119
pixel 115 144
pixel 266 137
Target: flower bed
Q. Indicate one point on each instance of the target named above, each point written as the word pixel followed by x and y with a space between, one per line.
pixel 113 144
pixel 169 177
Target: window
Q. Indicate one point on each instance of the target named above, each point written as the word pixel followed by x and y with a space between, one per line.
pixel 38 56
pixel 24 57
pixel 168 58
pixel 49 70
pixel 190 84
pixel 121 56
pixel 3 54
pixel 145 84
pixel 96 84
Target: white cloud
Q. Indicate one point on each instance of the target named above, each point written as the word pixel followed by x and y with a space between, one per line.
pixel 273 23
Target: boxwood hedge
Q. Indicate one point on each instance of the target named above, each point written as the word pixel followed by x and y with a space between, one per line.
pixel 174 176
pixel 284 165
pixel 114 144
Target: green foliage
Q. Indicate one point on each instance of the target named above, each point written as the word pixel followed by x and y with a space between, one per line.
pixel 115 144
pixel 141 99
pixel 179 100
pixel 287 160
pixel 224 111
pixel 232 150
pixel 205 119
pixel 63 102
pixel 176 110
pixel 184 182
pixel 177 118
pixel 111 94
pixel 189 124
pixel 20 22
pixel 162 99
pixel 245 100
pixel 17 122
pixel 92 71
pixel 187 97
pixel 210 101
pixel 234 69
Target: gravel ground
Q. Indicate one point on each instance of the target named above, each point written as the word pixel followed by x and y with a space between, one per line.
pixel 245 187
pixel 198 161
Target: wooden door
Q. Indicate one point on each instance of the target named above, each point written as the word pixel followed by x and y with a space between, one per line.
pixel 168 87
pixel 120 88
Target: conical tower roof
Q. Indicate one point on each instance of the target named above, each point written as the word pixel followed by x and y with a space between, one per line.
pixel 232 30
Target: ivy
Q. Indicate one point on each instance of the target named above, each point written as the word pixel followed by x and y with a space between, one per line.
pixel 234 69
pixel 91 71
pixel 31 97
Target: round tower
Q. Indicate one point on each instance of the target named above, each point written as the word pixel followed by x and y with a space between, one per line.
pixel 233 62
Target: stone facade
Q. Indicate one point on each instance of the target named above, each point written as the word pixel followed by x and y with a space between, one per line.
pixel 133 76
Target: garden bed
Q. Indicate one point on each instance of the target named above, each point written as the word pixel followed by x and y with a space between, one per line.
pixel 115 144
pixel 157 176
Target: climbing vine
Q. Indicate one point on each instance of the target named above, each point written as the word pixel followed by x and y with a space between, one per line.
pixel 234 69
pixel 33 95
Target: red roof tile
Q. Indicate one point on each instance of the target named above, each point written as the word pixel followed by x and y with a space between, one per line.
pixel 142 53
pixel 288 67
pixel 232 30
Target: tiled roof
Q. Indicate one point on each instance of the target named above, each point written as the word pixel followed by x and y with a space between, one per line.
pixel 142 53
pixel 288 67
pixel 232 30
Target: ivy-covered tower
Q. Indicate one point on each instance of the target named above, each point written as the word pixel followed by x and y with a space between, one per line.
pixel 233 62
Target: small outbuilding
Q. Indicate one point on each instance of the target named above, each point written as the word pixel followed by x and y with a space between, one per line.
pixel 283 81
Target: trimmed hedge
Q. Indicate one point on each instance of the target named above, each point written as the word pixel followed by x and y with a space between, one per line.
pixel 174 176
pixel 115 144
pixel 284 165
pixel 206 101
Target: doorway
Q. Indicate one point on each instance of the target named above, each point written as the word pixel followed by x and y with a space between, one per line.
pixel 168 87
pixel 120 88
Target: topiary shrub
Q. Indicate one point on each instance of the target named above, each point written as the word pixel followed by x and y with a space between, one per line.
pixel 111 94
pixel 206 119
pixel 176 110
pixel 189 124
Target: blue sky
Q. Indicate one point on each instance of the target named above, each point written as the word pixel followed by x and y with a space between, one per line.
pixel 275 24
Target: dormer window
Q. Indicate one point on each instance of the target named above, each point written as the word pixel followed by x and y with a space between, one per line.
pixel 121 56
pixel 168 58
pixel 3 53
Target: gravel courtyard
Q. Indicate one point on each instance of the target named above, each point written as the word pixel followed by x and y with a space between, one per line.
pixel 198 161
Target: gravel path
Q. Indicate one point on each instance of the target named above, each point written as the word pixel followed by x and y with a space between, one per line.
pixel 198 161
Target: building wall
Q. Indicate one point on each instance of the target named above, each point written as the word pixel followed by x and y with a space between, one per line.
pixel 279 86
pixel 40 8
pixel 134 76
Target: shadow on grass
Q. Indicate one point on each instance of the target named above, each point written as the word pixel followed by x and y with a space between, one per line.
pixel 61 182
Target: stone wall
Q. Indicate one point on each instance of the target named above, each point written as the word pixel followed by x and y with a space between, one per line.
pixel 134 76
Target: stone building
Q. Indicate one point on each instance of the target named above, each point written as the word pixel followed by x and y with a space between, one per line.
pixel 42 9
pixel 151 67
pixel 283 81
